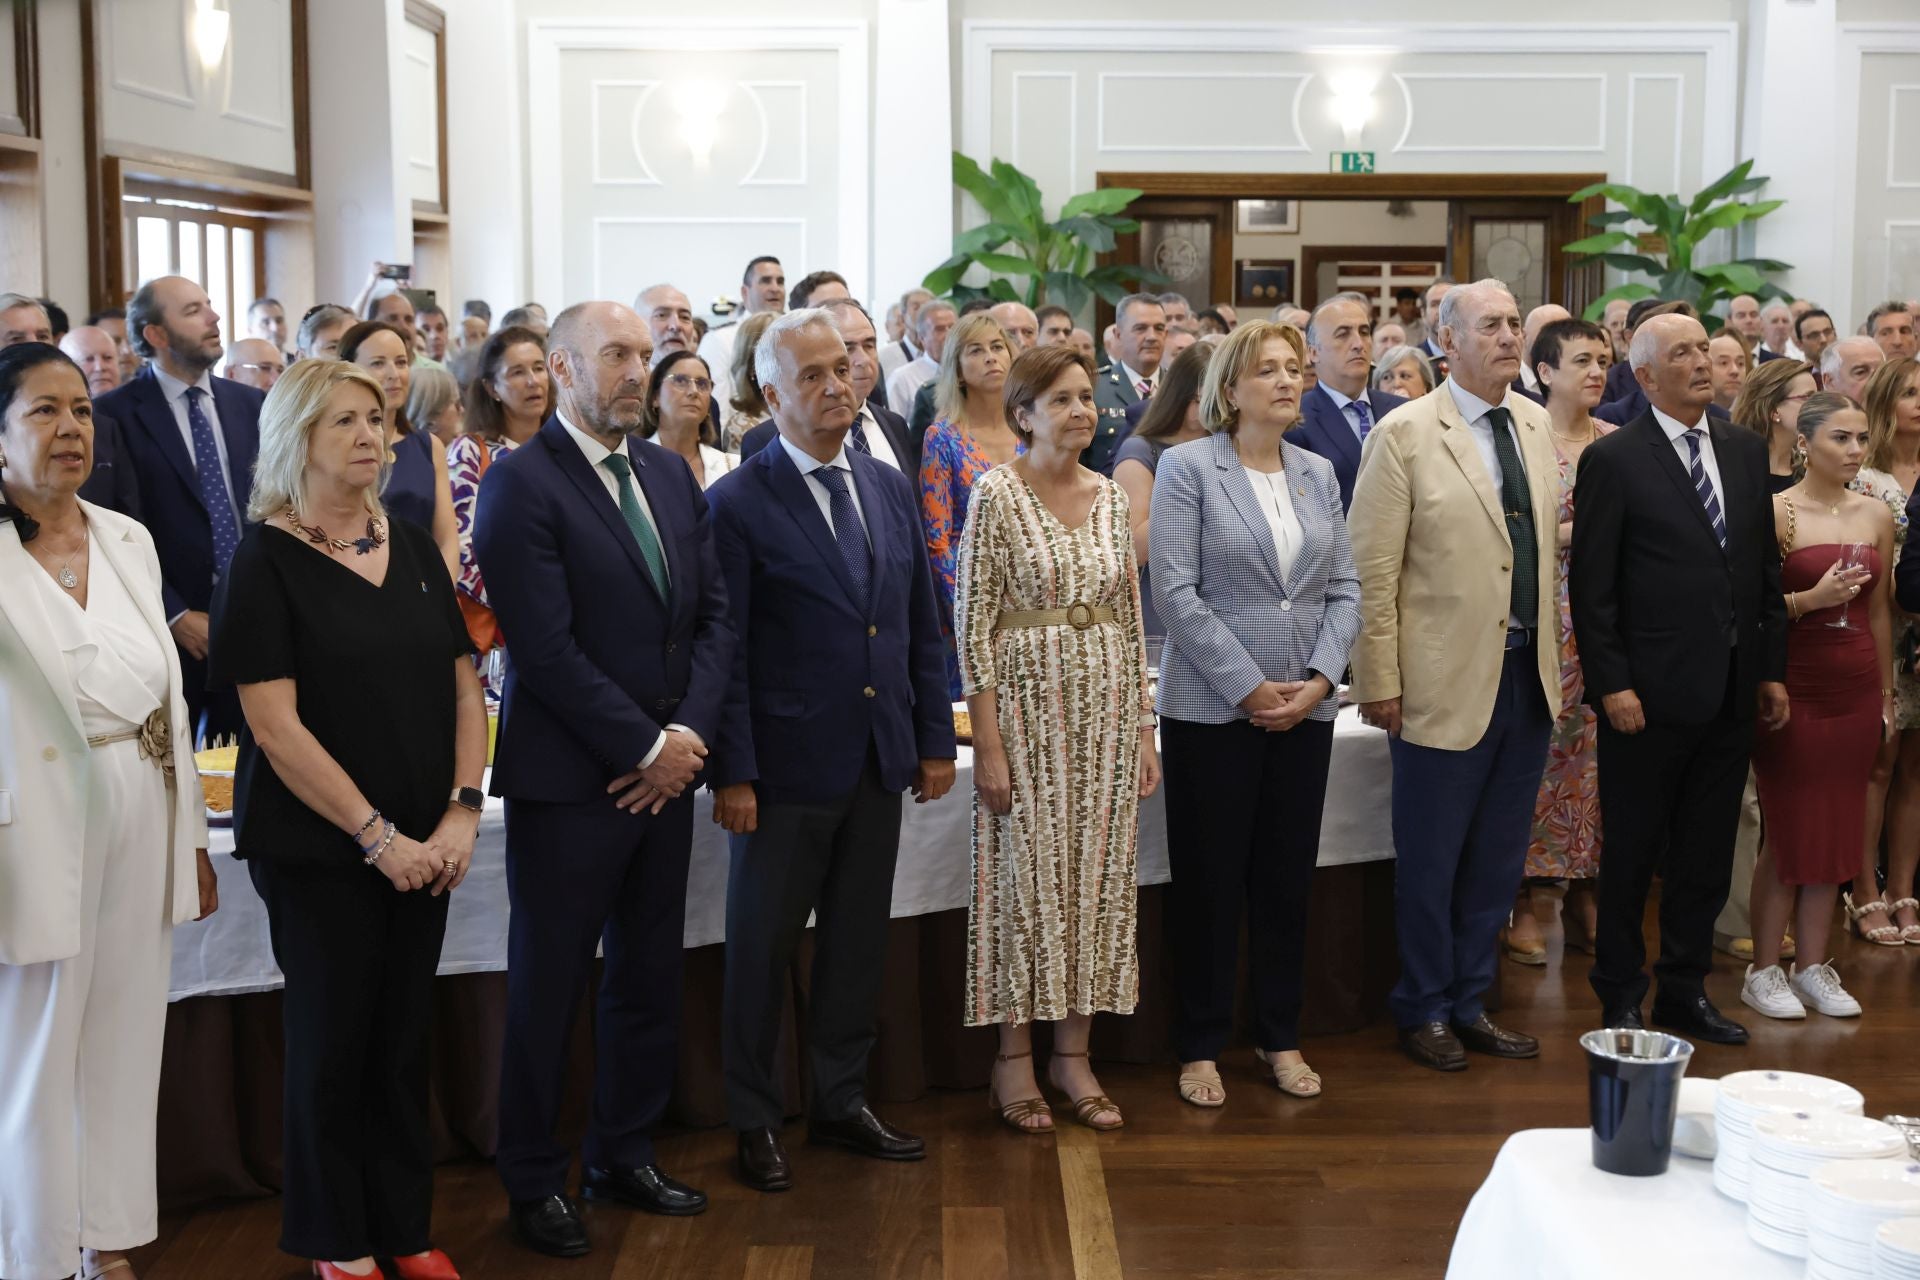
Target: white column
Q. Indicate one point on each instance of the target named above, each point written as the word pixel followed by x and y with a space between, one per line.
pixel 486 194
pixel 912 146
pixel 362 213
pixel 1788 128
pixel 63 165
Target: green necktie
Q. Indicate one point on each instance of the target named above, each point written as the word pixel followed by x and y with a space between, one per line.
pixel 637 521
pixel 1518 501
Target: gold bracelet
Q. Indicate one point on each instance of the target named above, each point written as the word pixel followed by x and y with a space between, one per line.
pixel 1793 606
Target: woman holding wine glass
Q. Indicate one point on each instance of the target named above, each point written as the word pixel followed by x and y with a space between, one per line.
pixel 1837 547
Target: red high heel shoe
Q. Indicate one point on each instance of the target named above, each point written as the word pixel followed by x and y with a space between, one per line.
pixel 327 1271
pixel 431 1265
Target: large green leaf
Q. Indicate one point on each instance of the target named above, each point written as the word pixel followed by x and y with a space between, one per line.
pixel 1106 200
pixel 1765 264
pixel 1124 273
pixel 1001 291
pixel 1730 215
pixel 1634 262
pixel 1673 218
pixel 1734 277
pixel 1093 232
pixel 969 177
pixel 1632 292
pixel 1068 290
pixel 1644 206
pixel 943 278
pixel 1022 193
pixel 1612 218
pixel 1722 186
pixel 1006 264
pixel 988 235
pixel 1602 243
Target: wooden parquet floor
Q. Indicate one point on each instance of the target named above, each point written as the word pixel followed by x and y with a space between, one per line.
pixel 1368 1180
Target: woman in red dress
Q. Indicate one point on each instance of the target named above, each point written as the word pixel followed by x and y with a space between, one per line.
pixel 1837 548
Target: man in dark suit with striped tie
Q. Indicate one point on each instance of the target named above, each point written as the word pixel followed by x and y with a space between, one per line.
pixel 1337 414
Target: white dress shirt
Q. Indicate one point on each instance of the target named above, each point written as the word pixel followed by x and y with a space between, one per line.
pixel 1341 402
pixel 1475 411
pixel 822 496
pixel 176 393
pixel 1135 378
pixel 597 453
pixel 1276 502
pixel 877 443
pixel 1676 431
pixel 906 382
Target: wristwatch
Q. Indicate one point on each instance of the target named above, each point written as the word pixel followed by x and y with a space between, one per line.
pixel 468 798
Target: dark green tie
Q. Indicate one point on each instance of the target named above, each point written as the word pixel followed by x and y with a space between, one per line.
pixel 637 521
pixel 1518 502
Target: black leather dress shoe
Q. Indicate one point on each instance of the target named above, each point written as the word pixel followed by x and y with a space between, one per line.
pixel 868 1134
pixel 1433 1044
pixel 643 1187
pixel 1624 1017
pixel 1482 1036
pixel 551 1226
pixel 763 1161
pixel 1695 1016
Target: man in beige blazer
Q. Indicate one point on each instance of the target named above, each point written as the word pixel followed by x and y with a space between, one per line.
pixel 1453 523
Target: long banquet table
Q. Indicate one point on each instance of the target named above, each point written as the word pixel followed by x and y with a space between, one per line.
pixel 220 1106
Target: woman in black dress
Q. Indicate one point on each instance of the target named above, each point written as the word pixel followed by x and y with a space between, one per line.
pixel 356 803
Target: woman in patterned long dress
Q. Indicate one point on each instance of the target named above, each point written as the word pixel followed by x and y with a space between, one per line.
pixel 1570 358
pixel 969 436
pixel 508 399
pixel 1053 657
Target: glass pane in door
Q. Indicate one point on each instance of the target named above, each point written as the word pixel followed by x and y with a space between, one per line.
pixel 1182 250
pixel 1515 252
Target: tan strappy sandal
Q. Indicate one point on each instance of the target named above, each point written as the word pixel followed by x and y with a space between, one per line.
pixel 118 1264
pixel 1886 935
pixel 1085 1109
pixel 1015 1114
pixel 1191 1083
pixel 1298 1080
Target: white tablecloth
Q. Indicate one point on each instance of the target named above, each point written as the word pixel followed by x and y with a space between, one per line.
pixel 231 952
pixel 1545 1213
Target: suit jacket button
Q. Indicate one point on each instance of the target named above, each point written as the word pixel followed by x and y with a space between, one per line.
pixel 669 646
pixel 868 691
pixel 1286 606
pixel 53 753
pixel 872 632
pixel 660 704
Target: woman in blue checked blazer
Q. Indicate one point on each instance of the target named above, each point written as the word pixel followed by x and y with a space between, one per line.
pixel 1254 581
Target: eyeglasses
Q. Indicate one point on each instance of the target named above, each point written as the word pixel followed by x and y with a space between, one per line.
pixel 263 368
pixel 687 382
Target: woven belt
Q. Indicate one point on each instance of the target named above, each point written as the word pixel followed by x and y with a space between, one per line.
pixel 1079 617
pixel 155 738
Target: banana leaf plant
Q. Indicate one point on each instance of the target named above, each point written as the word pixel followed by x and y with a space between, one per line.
pixel 1054 259
pixel 1668 249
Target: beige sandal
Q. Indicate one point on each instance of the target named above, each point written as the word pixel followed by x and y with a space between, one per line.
pixel 1886 935
pixel 1192 1082
pixel 1298 1080
pixel 116 1265
pixel 1909 933
pixel 1085 1109
pixel 1015 1114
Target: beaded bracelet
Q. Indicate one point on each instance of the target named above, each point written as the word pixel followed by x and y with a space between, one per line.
pixel 373 856
pixel 366 827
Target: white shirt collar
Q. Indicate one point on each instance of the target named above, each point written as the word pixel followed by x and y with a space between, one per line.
pixel 1341 401
pixel 596 452
pixel 1673 426
pixel 1471 406
pixel 173 388
pixel 809 464
pixel 1136 377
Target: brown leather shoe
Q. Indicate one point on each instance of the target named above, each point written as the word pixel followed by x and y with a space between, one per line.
pixel 1482 1036
pixel 1433 1044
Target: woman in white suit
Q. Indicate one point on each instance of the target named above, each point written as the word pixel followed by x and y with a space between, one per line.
pixel 1254 582
pixel 102 841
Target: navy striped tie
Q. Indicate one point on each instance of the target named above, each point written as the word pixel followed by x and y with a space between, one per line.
pixel 1703 485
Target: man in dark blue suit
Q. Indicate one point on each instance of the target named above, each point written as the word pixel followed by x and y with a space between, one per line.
pixel 190 440
pixel 838 704
pixel 877 431
pixel 1339 411
pixel 599 561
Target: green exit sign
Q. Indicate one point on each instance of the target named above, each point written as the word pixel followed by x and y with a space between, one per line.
pixel 1352 162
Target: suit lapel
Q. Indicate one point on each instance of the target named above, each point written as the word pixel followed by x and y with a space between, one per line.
pixel 155 417
pixel 654 482
pixel 1717 432
pixel 573 464
pixel 28 617
pixel 242 444
pixel 1458 437
pixel 124 556
pixel 792 490
pixel 881 529
pixel 1332 423
pixel 1239 489
pixel 1668 460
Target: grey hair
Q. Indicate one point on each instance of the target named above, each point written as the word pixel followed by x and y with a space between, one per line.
pixel 1135 300
pixel 1313 320
pixel 766 356
pixel 1455 296
pixel 429 394
pixel 843 304
pixel 8 301
pixel 1393 357
pixel 312 323
pixel 640 298
pixel 924 324
pixel 1171 297
pixel 1776 305
pixel 1644 347
pixel 1833 357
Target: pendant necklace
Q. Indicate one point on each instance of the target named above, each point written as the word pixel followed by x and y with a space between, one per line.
pixel 67 577
pixel 376 535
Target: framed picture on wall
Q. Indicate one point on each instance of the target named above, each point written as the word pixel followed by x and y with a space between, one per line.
pixel 1262 283
pixel 1266 217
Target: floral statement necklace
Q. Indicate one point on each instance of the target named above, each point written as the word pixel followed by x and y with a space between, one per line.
pixel 376 535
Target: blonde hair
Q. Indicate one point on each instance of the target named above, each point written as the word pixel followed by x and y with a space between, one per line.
pixel 1877 399
pixel 746 397
pixel 949 392
pixel 292 410
pixel 1232 359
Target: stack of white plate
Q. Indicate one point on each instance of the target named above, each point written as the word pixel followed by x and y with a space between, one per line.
pixel 1846 1202
pixel 1896 1250
pixel 1787 1147
pixel 1745 1095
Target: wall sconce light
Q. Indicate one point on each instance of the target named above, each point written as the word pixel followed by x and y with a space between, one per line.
pixel 1352 104
pixel 210 33
pixel 697 104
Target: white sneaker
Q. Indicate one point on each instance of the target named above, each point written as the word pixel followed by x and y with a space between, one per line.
pixel 1820 987
pixel 1769 991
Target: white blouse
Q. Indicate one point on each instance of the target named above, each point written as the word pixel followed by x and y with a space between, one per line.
pixel 118 668
pixel 1276 500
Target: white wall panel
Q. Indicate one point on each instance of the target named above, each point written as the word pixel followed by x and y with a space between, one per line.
pixel 1880 241
pixel 155 94
pixel 10 105
pixel 418 125
pixel 1485 111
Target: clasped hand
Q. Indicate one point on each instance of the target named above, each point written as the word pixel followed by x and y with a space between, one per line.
pixel 681 757
pixel 1279 705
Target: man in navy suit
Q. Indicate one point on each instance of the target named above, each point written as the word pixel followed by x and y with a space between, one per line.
pixel 1339 411
pixel 190 440
pixel 599 561
pixel 1141 337
pixel 877 431
pixel 838 704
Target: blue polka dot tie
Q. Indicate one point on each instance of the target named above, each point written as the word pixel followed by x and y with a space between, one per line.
pixel 213 482
pixel 847 531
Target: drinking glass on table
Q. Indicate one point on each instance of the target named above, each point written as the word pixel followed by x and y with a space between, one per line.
pixel 1853 557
